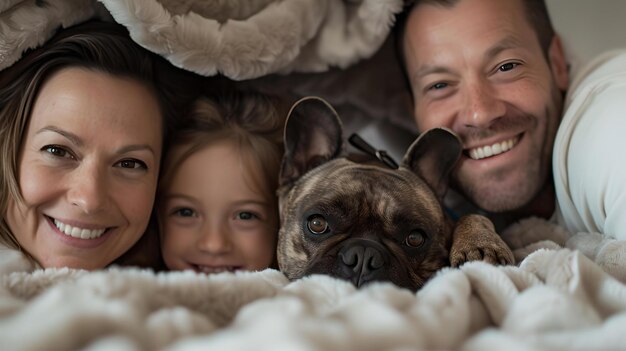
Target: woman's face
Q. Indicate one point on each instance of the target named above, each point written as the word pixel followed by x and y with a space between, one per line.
pixel 88 169
pixel 212 217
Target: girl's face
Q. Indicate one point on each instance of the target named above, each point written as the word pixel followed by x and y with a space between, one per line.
pixel 88 169
pixel 213 219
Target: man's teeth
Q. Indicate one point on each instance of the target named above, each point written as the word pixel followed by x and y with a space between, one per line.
pixel 76 232
pixel 492 150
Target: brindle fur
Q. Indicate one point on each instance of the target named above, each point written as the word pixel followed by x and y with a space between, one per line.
pixel 370 202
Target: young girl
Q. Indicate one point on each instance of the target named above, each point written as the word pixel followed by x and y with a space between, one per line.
pixel 217 208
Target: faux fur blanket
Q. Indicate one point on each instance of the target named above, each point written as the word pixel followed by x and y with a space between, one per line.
pixel 555 300
pixel 240 39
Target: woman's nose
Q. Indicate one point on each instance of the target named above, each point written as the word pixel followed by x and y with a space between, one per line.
pixel 89 189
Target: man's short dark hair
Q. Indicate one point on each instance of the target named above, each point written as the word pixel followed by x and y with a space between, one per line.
pixel 536 13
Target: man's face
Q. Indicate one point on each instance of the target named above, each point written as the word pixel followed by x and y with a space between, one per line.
pixel 477 68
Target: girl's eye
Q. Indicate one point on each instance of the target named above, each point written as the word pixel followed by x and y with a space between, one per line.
pixel 132 164
pixel 246 216
pixel 185 212
pixel 57 151
pixel 507 66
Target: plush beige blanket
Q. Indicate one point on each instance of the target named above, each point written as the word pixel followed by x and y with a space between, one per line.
pixel 554 300
pixel 240 39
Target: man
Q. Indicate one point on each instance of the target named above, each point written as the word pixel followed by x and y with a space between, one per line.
pixel 494 72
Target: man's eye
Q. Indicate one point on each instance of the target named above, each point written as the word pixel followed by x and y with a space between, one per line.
pixel 507 66
pixel 246 216
pixel 438 86
pixel 56 151
pixel 132 163
pixel 185 212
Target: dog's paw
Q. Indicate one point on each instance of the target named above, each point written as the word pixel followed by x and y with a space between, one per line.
pixel 475 239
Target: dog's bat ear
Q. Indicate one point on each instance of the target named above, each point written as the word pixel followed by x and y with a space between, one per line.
pixel 313 136
pixel 433 156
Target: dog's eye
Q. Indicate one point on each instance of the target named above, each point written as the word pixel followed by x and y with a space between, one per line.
pixel 317 224
pixel 415 239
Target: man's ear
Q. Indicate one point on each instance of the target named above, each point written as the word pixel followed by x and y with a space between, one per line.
pixel 558 64
pixel 313 136
pixel 433 156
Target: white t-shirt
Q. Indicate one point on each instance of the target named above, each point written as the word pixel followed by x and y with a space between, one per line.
pixel 589 158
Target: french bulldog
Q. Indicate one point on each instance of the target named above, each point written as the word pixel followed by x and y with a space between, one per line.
pixel 366 221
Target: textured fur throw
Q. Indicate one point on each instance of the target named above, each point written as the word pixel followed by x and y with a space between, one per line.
pixel 240 39
pixel 555 300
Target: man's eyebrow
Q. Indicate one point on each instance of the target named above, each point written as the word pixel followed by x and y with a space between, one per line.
pixel 507 43
pixel 75 139
pixel 430 69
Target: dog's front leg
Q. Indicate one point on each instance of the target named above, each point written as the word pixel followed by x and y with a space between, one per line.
pixel 474 239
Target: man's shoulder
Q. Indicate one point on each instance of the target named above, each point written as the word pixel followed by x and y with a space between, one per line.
pixel 608 67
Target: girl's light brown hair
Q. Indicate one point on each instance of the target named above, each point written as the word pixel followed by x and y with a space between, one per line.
pixel 252 121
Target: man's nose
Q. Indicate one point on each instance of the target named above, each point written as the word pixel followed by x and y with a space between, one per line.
pixel 215 238
pixel 482 105
pixel 89 189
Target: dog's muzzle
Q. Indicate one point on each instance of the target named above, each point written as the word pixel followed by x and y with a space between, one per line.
pixel 362 261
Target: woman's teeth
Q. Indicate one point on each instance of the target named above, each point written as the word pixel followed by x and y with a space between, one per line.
pixel 76 232
pixel 492 150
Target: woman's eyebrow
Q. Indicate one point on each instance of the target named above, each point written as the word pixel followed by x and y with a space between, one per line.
pixel 135 147
pixel 75 139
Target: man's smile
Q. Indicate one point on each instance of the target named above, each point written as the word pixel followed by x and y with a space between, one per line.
pixel 485 151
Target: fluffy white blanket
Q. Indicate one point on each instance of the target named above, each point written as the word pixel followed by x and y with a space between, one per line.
pixel 555 300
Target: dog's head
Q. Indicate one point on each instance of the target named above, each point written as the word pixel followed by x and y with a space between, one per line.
pixel 361 222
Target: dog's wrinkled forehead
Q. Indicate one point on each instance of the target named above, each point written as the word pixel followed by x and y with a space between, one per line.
pixel 384 191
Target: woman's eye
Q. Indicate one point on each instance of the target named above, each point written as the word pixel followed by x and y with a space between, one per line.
pixel 132 164
pixel 507 66
pixel 415 239
pixel 317 224
pixel 246 216
pixel 57 151
pixel 185 212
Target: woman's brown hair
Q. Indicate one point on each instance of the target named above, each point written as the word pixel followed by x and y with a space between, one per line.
pixel 100 46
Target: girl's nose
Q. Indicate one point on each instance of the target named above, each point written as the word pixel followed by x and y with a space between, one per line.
pixel 215 239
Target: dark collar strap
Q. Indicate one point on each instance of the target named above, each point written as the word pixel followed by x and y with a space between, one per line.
pixel 364 146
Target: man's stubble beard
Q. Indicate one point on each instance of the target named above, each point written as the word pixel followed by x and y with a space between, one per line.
pixel 483 190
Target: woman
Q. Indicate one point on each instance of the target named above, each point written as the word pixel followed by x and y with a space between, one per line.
pixel 82 126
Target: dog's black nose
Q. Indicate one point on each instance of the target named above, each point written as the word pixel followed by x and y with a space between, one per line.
pixel 362 261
